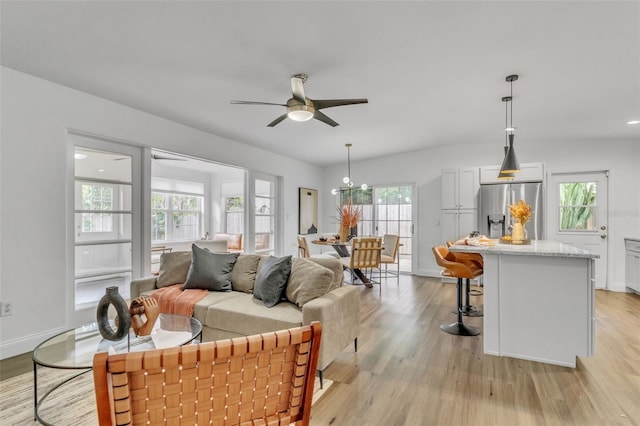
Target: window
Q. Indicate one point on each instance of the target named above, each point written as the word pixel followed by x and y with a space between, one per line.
pixel 385 210
pixel 97 197
pixel 364 199
pixel 234 214
pixel 577 206
pixel 176 217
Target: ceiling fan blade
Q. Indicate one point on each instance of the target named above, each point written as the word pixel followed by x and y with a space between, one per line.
pixel 160 157
pixel 256 103
pixel 277 120
pixel 328 103
pixel 322 117
pixel 297 89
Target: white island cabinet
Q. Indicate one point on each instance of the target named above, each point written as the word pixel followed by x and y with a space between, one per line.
pixel 538 301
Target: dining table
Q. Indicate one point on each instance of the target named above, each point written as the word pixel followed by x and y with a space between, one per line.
pixel 341 248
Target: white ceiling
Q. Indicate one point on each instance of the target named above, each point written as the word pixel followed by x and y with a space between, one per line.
pixel 433 71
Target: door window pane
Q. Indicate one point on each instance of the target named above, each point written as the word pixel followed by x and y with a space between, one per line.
pixel 577 206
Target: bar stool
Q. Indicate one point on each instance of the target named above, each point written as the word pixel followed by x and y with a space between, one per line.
pixel 473 260
pixel 457 270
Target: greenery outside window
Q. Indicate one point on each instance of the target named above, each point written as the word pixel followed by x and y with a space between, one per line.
pixel 97 197
pixel 577 206
pixel 234 214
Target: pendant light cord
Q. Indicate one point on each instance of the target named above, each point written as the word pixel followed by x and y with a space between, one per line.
pixel 511 104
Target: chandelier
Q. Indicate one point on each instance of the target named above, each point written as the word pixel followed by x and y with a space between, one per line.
pixel 347 179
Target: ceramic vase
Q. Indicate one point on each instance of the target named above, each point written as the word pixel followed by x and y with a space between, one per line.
pixel 517 232
pixel 113 297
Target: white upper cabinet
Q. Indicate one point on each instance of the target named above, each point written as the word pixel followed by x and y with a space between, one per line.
pixel 529 172
pixel 460 188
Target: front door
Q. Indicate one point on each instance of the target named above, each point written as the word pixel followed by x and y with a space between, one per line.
pixel 578 215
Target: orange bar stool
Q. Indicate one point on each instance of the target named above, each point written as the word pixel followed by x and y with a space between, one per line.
pixel 459 270
pixel 474 261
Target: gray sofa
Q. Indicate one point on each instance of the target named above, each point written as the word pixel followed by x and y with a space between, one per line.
pixel 228 314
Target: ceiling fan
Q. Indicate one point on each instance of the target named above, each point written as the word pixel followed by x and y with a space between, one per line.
pixel 160 157
pixel 302 108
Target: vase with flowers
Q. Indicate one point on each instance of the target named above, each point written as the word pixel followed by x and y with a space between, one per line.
pixel 349 216
pixel 521 212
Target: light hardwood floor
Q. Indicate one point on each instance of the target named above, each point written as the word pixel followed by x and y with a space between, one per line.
pixel 408 372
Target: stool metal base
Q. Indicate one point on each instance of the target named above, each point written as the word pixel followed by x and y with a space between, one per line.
pixel 460 329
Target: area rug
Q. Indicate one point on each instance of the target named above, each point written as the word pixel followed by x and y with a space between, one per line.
pixel 72 404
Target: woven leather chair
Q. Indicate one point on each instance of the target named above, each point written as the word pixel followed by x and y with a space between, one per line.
pixel 459 270
pixel 389 254
pixel 260 379
pixel 365 255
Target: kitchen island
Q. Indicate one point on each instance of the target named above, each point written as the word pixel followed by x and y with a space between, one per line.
pixel 538 301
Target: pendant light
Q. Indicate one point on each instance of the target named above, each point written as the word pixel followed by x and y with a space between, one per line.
pixel 347 179
pixel 502 175
pixel 510 163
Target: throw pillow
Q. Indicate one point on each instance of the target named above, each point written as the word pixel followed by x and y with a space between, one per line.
pixel 243 275
pixel 307 281
pixel 335 266
pixel 271 280
pixel 210 271
pixel 174 268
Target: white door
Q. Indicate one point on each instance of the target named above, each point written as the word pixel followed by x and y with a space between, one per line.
pixel 107 230
pixel 578 215
pixel 262 237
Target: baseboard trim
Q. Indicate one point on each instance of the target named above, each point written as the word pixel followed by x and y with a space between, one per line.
pixel 10 348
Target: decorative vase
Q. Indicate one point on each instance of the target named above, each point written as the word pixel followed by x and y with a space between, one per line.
pixel 112 297
pixel 353 232
pixel 517 232
pixel 344 232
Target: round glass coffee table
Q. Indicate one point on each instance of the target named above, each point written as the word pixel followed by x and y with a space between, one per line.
pixel 74 349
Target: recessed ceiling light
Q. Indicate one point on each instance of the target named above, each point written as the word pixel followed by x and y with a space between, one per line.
pixel 633 122
pixel 79 156
pixel 101 170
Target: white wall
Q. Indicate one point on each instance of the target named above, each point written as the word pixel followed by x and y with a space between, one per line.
pixel 621 158
pixel 35 116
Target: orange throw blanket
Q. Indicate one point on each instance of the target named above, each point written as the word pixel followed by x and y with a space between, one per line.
pixel 173 300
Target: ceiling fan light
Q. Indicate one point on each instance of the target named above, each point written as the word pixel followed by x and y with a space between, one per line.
pixel 300 112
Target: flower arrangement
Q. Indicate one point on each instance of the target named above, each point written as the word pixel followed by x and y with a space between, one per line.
pixel 349 216
pixel 521 211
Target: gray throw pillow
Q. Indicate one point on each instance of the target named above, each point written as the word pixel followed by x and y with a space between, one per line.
pixel 307 281
pixel 210 271
pixel 174 268
pixel 272 279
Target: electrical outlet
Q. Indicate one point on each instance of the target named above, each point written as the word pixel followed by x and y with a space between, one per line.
pixel 7 309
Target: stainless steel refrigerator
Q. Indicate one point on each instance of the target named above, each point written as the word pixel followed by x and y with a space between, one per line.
pixel 494 219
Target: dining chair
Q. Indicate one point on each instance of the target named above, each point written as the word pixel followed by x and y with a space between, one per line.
pixel 261 379
pixel 365 256
pixel 303 250
pixel 389 254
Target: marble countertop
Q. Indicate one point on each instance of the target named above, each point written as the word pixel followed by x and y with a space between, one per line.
pixel 536 248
